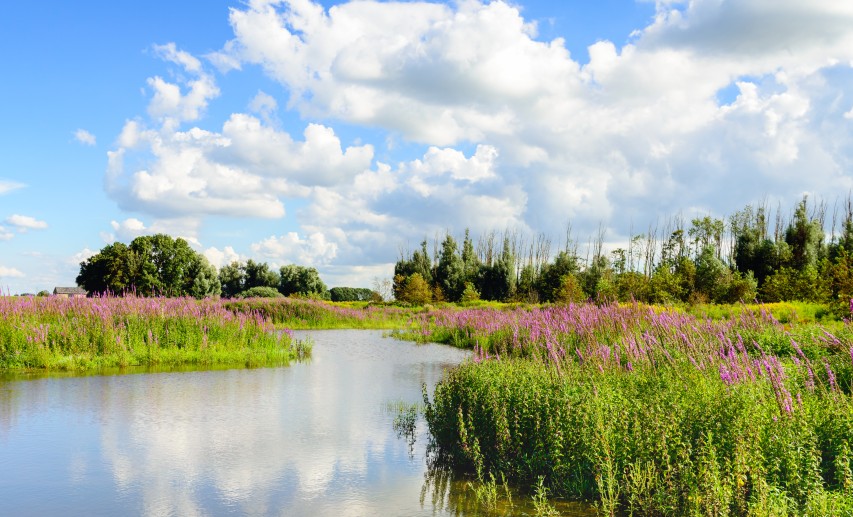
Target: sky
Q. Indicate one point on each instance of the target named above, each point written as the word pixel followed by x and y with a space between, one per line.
pixel 336 134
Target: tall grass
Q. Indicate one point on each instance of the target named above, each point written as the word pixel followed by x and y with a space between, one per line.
pixel 81 334
pixel 306 314
pixel 651 412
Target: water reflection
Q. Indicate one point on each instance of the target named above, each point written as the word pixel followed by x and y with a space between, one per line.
pixel 308 439
pixel 305 439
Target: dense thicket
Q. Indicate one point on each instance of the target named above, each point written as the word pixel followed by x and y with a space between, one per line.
pixel 754 254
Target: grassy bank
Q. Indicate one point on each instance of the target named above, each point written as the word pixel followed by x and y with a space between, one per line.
pixel 307 314
pixel 651 412
pixel 93 333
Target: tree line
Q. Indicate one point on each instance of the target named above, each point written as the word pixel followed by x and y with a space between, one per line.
pixel 755 254
pixel 159 265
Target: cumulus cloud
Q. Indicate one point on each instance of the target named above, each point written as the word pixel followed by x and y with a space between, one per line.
pixel 84 137
pixel 290 248
pixel 10 272
pixel 81 256
pixel 131 228
pixel 172 104
pixel 501 129
pixel 23 223
pixel 222 257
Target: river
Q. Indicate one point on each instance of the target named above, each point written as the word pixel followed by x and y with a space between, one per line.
pixel 313 438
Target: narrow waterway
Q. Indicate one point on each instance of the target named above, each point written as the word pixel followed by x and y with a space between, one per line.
pixel 314 438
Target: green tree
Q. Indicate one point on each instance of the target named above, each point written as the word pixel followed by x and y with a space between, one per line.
pixel 233 279
pixel 300 280
pixel 450 271
pixel 415 290
pixel 107 270
pixel 805 237
pixel 419 263
pixel 258 274
pixel 152 265
pixel 497 281
pixel 551 277
pixel 352 294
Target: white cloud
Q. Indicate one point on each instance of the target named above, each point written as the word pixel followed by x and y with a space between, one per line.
pixel 241 171
pixel 10 272
pixel 170 104
pixel 131 228
pixel 9 186
pixel 265 106
pixel 81 256
pixel 5 234
pixel 84 137
pixel 23 223
pixel 222 257
pixel 497 128
pixel 312 250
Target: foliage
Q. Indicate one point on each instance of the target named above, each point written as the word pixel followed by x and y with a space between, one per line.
pixel 415 290
pixel 470 293
pixel 352 294
pixel 260 292
pixel 299 279
pixel 153 265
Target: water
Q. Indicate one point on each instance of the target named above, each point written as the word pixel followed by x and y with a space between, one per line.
pixel 313 438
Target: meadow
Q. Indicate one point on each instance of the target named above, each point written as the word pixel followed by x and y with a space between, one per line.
pixel 649 411
pixel 93 333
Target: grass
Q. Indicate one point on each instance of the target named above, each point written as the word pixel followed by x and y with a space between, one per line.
pixel 307 314
pixel 650 412
pixel 89 334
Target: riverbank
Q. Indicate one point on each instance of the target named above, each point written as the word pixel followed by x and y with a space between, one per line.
pixel 95 333
pixel 651 412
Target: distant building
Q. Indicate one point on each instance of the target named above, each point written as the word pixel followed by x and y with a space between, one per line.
pixel 70 292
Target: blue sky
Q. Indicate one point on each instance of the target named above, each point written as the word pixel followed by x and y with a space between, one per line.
pixel 334 134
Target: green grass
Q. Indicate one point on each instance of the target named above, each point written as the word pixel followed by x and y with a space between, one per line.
pixel 299 314
pixel 646 411
pixel 673 442
pixel 86 334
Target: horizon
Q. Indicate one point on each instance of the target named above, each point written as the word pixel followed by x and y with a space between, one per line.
pixel 332 134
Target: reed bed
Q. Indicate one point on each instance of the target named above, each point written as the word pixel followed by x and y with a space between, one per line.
pixel 650 412
pixel 93 333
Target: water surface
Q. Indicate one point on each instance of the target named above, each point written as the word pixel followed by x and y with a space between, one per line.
pixel 313 438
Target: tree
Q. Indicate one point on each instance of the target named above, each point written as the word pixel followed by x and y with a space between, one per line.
pixel 233 279
pixel 258 274
pixel 107 270
pixel 415 290
pixel 351 294
pixel 152 265
pixel 450 272
pixel 300 280
pixel 470 293
pixel 551 277
pixel 804 236
pixel 418 263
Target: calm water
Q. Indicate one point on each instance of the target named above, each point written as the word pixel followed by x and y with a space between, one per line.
pixel 311 439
